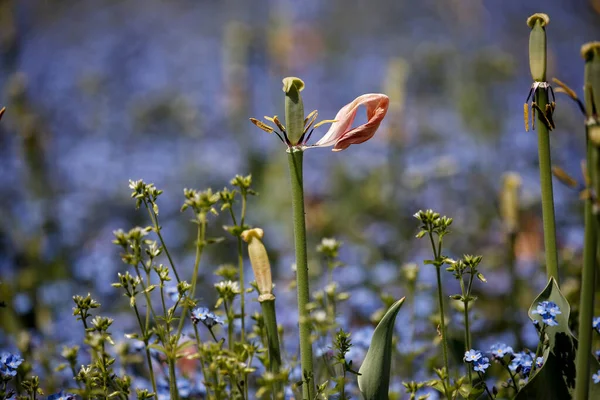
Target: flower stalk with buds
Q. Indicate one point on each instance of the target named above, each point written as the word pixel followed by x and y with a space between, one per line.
pixel 261 267
pixel 591 55
pixel 539 92
pixel 295 135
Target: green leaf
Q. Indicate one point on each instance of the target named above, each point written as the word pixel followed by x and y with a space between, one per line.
pixel 556 379
pixel 374 378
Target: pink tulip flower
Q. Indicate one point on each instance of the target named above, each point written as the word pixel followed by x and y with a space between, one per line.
pixel 341 135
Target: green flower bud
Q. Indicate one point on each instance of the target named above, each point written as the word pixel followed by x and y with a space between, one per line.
pixel 294 109
pixel 537 46
pixel 591 54
pixel 260 263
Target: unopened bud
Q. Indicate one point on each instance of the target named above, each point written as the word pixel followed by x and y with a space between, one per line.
pixel 260 263
pixel 294 108
pixel 537 46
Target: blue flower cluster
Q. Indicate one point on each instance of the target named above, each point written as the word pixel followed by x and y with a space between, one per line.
pixel 62 396
pixel 185 387
pixel 480 363
pixel 208 318
pixel 499 350
pixel 596 377
pixel 548 310
pixel 596 324
pixel 8 365
pixel 523 362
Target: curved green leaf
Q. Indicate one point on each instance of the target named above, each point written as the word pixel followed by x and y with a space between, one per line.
pixel 374 378
pixel 556 379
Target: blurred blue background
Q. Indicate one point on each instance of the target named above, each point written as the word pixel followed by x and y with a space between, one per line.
pixel 99 92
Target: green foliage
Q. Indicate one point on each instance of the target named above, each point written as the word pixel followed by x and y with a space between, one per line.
pixel 556 378
pixel 374 378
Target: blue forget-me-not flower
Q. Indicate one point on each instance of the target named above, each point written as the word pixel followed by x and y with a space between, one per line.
pixel 548 310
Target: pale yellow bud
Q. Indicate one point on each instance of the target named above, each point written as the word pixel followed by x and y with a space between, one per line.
pixel 509 201
pixel 260 263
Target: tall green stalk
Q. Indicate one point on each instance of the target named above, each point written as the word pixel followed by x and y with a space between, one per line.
pixel 537 65
pixel 268 311
pixel 591 54
pixel 547 191
pixel 295 156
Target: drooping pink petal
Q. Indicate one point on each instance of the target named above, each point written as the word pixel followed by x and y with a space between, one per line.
pixel 340 135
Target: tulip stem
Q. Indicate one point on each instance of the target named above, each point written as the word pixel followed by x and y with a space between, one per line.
pixel 295 156
pixel 268 310
pixel 541 98
pixel 588 280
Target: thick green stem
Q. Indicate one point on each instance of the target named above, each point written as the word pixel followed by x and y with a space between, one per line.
pixel 586 302
pixel 268 310
pixel 306 360
pixel 442 319
pixel 173 381
pixel 516 284
pixel 541 99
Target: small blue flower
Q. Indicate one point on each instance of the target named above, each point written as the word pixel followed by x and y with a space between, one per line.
pixel 137 346
pixel 472 355
pixel 596 377
pixel 200 314
pixel 8 364
pixel 548 310
pixel 208 318
pixel 547 307
pixel 597 353
pixel 549 320
pixel 481 365
pixel 62 396
pixel 521 362
pixel 539 362
pixel 172 293
pixel 596 324
pixel 499 350
pixel 212 320
pixel 12 361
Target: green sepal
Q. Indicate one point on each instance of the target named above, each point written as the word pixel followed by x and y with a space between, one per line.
pixel 374 378
pixel 555 380
pixel 294 108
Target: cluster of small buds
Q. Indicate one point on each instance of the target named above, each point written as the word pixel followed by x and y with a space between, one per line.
pixel 83 305
pixel 329 247
pixel 548 310
pixel 475 357
pixel 243 183
pixel 228 290
pixel 8 365
pixel 209 319
pixel 144 192
pixel 201 202
pixel 432 222
pixel 131 242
